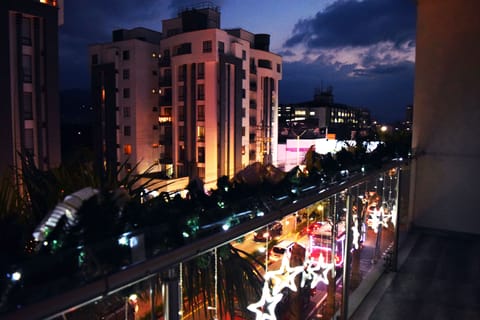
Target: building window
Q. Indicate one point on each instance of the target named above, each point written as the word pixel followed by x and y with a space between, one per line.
pixel 244 74
pixel 201 71
pixel 221 47
pixel 201 92
pixel 26 31
pixel 244 55
pixel 27 68
pixel 207 46
pixel 200 133
pixel 126 74
pixel 127 149
pixel 28 141
pixel 127 131
pixel 184 48
pixel 27 106
pixel 243 112
pixel 126 55
pixel 263 63
pixel 181 133
pixel 126 92
pixel 126 112
pixel 201 172
pixel 181 114
pixel 182 70
pixel 243 131
pixel 243 93
pixel 181 93
pixel 94 59
pixel 279 68
pixel 201 154
pixel 201 113
pixel 181 153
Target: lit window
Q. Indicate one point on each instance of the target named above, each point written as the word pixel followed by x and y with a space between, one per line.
pixel 201 133
pixel 127 149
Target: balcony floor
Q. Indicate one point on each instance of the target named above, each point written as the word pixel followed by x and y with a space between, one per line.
pixel 438 278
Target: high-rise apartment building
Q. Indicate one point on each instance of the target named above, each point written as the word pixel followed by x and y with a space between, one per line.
pixel 124 82
pixel 30 122
pixel 212 109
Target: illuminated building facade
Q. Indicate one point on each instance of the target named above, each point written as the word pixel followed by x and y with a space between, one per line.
pixel 201 101
pixel 29 82
pixel 218 106
pixel 124 84
pixel 328 117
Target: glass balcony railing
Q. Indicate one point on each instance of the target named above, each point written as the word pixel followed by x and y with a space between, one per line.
pixel 331 234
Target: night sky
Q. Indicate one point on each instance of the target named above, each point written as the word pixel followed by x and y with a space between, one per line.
pixel 364 49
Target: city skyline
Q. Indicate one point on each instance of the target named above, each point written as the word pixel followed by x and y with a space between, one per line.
pixel 364 49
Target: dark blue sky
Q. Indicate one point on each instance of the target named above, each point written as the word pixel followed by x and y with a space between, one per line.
pixel 364 49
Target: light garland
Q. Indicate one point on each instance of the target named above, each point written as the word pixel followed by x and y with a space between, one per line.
pixel 355 233
pixel 316 271
pixel 284 277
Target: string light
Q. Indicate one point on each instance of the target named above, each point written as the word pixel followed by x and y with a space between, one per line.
pixel 284 277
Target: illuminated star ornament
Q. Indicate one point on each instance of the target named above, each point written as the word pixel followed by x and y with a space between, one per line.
pixel 284 277
pixel 355 233
pixel 317 271
pixel 266 303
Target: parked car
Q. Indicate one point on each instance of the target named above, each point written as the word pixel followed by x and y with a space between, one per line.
pixel 270 232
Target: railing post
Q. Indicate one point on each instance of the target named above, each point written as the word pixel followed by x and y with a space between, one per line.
pixel 170 294
pixel 397 221
pixel 346 257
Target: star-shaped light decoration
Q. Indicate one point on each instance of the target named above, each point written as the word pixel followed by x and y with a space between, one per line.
pixel 394 215
pixel 267 302
pixel 375 219
pixel 355 233
pixel 275 282
pixel 316 270
pixel 284 277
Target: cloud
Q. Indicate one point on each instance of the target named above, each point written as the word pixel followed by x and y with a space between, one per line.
pixel 357 24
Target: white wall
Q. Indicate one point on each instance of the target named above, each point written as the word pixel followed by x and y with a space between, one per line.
pixel 446 148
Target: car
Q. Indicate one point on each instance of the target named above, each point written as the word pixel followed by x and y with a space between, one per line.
pixel 281 249
pixel 268 233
